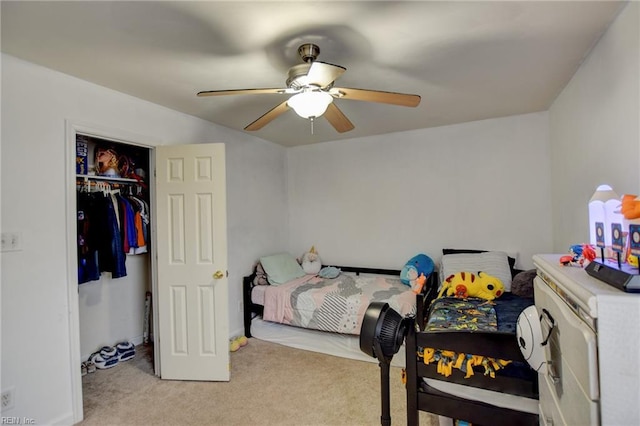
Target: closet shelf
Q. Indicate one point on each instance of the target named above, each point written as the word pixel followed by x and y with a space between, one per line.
pixel 106 178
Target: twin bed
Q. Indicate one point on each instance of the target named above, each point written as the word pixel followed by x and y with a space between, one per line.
pixel 469 372
pixel 321 315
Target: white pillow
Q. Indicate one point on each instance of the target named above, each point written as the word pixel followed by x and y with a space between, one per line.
pixel 281 268
pixel 494 263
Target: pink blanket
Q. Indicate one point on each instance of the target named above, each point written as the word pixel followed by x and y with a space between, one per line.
pixel 337 305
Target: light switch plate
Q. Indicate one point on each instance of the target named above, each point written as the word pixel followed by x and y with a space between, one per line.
pixel 11 241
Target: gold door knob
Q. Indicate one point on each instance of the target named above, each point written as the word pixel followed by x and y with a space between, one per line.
pixel 218 274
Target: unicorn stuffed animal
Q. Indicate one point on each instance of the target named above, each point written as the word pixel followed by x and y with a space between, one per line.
pixel 311 263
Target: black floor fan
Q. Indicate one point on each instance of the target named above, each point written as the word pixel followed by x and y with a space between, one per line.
pixel 381 335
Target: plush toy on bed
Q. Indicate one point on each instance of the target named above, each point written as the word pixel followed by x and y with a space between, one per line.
pixel 311 263
pixel 467 284
pixel 418 284
pixel 415 272
pixel 260 276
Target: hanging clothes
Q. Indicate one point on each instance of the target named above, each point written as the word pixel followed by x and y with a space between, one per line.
pixel 110 226
pixel 88 269
pixel 145 219
pixel 127 224
pixel 141 223
pixel 118 268
pixel 99 238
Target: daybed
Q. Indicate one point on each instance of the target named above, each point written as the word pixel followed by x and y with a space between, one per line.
pixel 509 398
pixel 334 331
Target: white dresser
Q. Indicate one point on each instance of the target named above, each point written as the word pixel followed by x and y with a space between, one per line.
pixel 593 375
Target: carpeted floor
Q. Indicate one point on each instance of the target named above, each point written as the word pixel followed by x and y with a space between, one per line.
pixel 270 385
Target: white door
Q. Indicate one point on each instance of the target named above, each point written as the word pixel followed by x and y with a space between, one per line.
pixel 193 318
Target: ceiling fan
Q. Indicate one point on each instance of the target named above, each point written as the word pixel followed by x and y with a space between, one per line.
pixel 312 86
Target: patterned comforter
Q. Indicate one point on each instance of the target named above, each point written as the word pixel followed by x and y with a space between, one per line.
pixel 472 314
pixel 450 313
pixel 337 305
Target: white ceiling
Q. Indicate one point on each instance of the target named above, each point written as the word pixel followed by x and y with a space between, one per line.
pixel 467 60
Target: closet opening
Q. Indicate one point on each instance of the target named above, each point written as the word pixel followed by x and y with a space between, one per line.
pixel 114 255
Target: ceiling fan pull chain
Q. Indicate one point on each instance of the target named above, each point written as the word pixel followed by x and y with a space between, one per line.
pixel 311 118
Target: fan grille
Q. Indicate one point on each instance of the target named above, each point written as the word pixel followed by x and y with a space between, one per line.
pixel 389 332
pixel 384 325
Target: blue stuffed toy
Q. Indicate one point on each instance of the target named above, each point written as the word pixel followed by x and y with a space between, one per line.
pixel 418 266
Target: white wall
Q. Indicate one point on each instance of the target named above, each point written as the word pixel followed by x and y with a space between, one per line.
pixel 112 310
pixel 35 311
pixel 379 201
pixel 595 129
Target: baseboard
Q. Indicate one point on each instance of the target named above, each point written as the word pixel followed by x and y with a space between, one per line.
pixel 236 333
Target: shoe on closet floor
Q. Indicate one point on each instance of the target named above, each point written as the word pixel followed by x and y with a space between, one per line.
pixel 125 351
pixel 106 357
pixel 91 367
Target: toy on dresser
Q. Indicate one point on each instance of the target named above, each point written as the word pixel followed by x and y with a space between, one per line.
pixel 579 254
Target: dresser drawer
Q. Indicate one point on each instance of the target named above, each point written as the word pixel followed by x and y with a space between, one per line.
pixel 572 347
pixel 570 405
pixel 548 409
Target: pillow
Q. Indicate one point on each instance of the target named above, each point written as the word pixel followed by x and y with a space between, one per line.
pixel 281 268
pixel 512 260
pixel 522 284
pixel 329 272
pixel 492 262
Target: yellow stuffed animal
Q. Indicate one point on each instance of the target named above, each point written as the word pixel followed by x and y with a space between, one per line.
pixel 466 284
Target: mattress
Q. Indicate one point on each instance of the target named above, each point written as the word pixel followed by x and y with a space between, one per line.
pixel 498 399
pixel 341 345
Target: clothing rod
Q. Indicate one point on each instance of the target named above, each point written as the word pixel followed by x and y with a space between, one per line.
pixel 92 183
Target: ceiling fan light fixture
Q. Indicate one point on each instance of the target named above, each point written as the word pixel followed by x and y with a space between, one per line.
pixel 312 86
pixel 310 104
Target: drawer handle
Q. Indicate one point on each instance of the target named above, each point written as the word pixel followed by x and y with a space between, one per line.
pixel 546 316
pixel 548 421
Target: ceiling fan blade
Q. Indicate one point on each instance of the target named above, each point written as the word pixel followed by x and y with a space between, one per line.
pixel 269 116
pixel 242 92
pixel 393 98
pixel 323 74
pixel 338 120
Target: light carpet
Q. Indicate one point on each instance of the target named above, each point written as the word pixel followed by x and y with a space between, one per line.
pixel 270 385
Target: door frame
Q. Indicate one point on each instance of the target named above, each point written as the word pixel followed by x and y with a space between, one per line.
pixel 72 129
